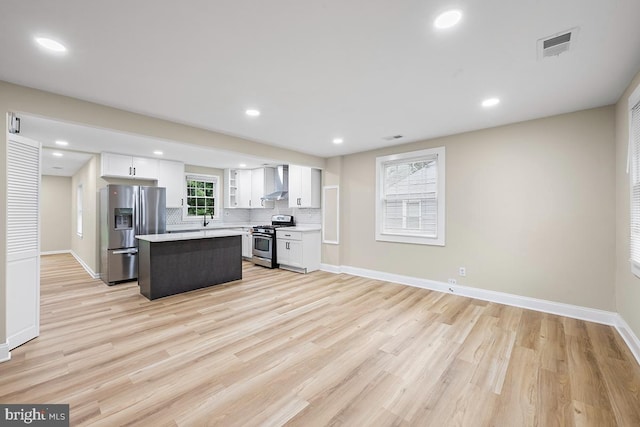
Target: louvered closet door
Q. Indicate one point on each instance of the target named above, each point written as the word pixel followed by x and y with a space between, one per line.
pixel 23 240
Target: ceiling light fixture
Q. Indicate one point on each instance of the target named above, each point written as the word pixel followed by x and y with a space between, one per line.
pixel 252 113
pixel 56 154
pixel 338 140
pixel 158 153
pixel 243 165
pixel 51 44
pixel 62 143
pixel 447 19
pixel 490 102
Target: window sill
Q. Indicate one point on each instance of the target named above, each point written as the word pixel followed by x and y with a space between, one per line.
pixel 200 219
pixel 414 240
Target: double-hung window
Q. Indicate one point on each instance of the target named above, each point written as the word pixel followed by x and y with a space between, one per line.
pixel 202 195
pixel 410 205
pixel 634 151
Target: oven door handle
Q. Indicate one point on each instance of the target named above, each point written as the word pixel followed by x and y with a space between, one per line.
pixel 268 236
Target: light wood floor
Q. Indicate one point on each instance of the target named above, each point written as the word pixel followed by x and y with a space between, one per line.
pixel 320 349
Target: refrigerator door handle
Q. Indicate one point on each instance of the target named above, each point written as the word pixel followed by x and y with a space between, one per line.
pixel 138 210
pixel 126 251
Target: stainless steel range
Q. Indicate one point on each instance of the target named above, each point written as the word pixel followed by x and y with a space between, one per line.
pixel 264 240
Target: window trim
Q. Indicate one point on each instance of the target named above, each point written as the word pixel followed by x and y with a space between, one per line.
pixel 218 202
pixel 439 239
pixel 634 99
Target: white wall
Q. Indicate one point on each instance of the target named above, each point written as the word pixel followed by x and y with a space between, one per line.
pixel 55 214
pixel 86 246
pixel 627 286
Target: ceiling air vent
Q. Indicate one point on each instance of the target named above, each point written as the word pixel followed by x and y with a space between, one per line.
pixel 392 137
pixel 556 44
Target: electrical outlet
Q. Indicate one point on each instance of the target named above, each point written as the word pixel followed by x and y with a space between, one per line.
pixel 452 281
pixel 462 271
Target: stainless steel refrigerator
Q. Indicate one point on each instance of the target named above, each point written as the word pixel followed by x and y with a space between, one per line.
pixel 127 211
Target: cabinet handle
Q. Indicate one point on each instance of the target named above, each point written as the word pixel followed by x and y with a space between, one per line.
pixel 249 202
pixel 299 201
pixel 261 202
pixel 134 171
pixel 130 171
pixel 181 202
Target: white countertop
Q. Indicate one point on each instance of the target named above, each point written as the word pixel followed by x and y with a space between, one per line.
pixel 204 234
pixel 303 227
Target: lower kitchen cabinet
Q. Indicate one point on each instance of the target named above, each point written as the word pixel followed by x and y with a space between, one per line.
pixel 247 243
pixel 298 250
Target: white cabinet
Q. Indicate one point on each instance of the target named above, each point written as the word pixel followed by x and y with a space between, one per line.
pixel 262 182
pixel 245 188
pixel 247 243
pixel 298 250
pixel 230 188
pixel 238 188
pixel 120 166
pixel 304 187
pixel 171 176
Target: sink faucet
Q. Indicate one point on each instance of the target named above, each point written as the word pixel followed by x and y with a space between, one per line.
pixel 204 220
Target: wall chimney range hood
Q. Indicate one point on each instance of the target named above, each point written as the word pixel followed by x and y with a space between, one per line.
pixel 281 184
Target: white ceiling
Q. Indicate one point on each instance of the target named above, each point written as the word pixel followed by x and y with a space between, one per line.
pixel 358 69
pixel 84 141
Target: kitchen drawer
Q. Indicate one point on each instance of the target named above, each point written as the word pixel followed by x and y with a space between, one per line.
pixel 291 235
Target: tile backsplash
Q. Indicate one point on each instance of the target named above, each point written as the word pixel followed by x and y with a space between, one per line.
pixel 255 216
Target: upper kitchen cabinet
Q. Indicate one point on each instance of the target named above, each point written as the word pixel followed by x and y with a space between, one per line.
pixel 245 188
pixel 262 183
pixel 120 166
pixel 304 187
pixel 171 176
pixel 237 188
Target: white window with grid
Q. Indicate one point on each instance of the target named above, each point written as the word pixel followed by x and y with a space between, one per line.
pixel 202 194
pixel 634 152
pixel 410 204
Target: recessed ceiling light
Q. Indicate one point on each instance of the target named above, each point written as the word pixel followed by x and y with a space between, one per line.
pixel 51 44
pixel 57 154
pixel 61 142
pixel 447 19
pixel 252 113
pixel 338 140
pixel 490 102
pixel 158 153
pixel 242 165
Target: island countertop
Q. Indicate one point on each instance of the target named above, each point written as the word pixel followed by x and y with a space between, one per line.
pixel 172 237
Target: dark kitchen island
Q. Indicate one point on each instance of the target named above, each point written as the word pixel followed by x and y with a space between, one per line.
pixel 174 263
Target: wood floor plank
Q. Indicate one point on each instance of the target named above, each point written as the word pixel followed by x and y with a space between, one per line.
pixel 280 348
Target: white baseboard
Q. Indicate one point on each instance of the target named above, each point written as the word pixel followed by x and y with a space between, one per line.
pixel 85 266
pixel 65 251
pixel 330 268
pixel 629 337
pixel 562 309
pixel 5 355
